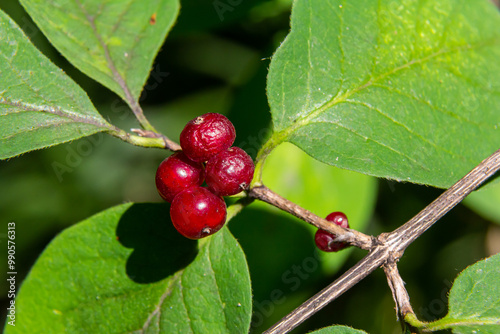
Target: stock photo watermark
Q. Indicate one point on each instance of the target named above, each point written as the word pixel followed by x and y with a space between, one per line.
pixel 11 273
pixel 438 306
pixel 223 6
pixel 293 279
pixel 252 143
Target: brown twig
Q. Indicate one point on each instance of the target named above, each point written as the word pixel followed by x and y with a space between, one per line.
pixel 399 293
pixel 407 233
pixel 390 247
pixel 350 278
pixel 352 237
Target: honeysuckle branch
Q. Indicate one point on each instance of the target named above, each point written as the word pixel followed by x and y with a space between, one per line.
pixel 352 237
pixel 403 236
pixel 389 247
pixel 399 293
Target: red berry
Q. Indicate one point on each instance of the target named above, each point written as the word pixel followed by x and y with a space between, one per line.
pixel 324 240
pixel 229 172
pixel 197 213
pixel 207 135
pixel 339 218
pixel 176 173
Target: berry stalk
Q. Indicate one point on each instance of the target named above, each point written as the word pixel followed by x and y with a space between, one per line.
pixel 352 237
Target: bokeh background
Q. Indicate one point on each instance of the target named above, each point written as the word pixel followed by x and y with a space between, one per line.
pixel 216 61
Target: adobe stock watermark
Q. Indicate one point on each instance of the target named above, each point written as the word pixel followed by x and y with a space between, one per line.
pixel 75 155
pixel 85 147
pixel 252 144
pixel 437 307
pixel 223 6
pixel 29 28
pixel 156 77
pixel 293 279
pixel 11 273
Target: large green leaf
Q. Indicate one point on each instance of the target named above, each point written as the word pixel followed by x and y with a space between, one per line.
pixel 408 90
pixel 338 330
pixel 127 270
pixel 112 41
pixel 40 106
pixel 321 189
pixel 474 301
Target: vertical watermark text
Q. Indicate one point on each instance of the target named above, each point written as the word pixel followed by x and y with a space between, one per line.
pixel 11 273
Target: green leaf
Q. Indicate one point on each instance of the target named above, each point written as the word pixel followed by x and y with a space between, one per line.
pixel 127 270
pixel 474 301
pixel 404 90
pixel 322 189
pixel 338 330
pixel 40 106
pixel 485 202
pixel 113 42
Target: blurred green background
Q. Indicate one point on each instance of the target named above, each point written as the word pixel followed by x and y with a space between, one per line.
pixel 217 62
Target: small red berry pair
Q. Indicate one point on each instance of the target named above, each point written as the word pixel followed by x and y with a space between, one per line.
pixel 325 240
pixel 197 212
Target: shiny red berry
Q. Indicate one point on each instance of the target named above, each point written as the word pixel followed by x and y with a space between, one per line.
pixel 324 240
pixel 207 135
pixel 176 173
pixel 197 213
pixel 229 172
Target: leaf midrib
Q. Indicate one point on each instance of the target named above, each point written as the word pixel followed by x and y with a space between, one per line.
pixel 447 323
pixel 57 111
pixel 167 293
pixel 111 65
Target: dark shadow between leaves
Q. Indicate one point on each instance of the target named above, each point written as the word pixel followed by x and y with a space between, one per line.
pixel 159 250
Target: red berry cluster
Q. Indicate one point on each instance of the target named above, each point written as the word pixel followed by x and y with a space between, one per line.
pixel 206 155
pixel 325 240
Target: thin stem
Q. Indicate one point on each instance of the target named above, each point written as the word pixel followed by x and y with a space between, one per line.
pixel 352 237
pixel 399 293
pixel 158 141
pixel 390 247
pixel 412 319
pixel 445 323
pixel 168 144
pixel 264 151
pixel 350 278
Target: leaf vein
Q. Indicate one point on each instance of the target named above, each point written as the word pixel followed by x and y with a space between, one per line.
pixel 372 139
pixel 218 290
pixel 116 75
pixel 157 309
pixel 427 103
pixel 416 134
pixel 323 108
pixel 76 117
pixel 184 303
